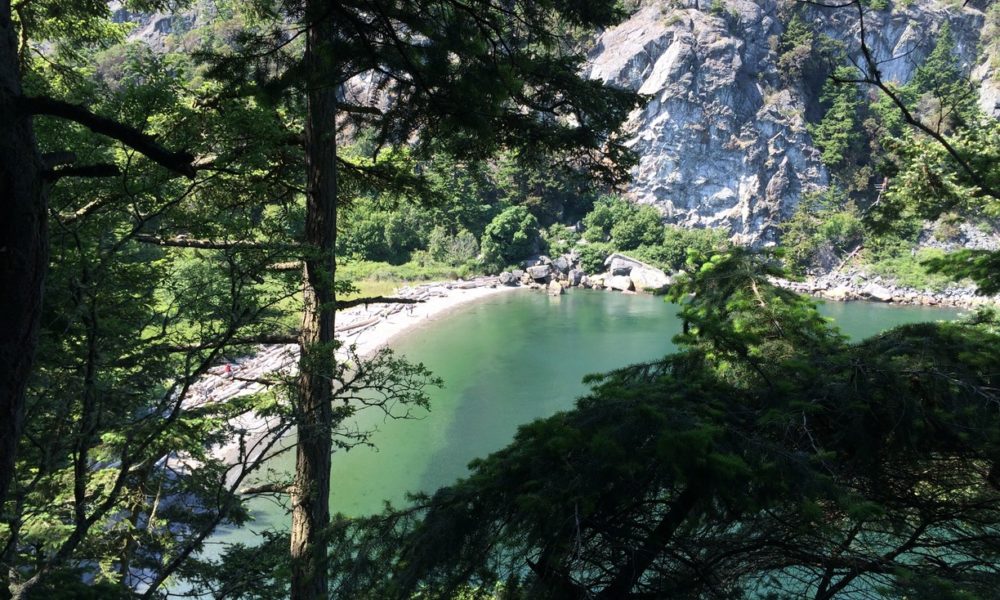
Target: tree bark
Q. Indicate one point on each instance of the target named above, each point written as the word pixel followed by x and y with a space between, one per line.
pixel 645 555
pixel 311 493
pixel 23 250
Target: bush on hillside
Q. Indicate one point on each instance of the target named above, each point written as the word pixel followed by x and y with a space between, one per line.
pixel 592 256
pixel 509 237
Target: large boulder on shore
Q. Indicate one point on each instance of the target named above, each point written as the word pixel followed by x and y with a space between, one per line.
pixel 838 294
pixel 619 282
pixel 554 288
pixel 506 278
pixel 561 264
pixel 539 272
pixel 649 279
pixel 575 277
pixel 619 264
pixel 877 292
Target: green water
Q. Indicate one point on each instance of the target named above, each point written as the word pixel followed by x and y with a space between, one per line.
pixel 507 360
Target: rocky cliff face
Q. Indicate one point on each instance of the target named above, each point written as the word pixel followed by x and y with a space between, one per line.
pixel 723 141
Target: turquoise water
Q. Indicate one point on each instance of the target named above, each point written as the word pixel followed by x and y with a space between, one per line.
pixel 507 360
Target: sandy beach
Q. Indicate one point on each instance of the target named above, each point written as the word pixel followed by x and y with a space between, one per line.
pixel 392 320
pixel 366 328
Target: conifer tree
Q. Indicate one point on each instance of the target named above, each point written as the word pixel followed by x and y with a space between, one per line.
pixel 467 79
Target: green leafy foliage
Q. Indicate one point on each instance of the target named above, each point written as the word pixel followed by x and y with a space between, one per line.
pixel 511 236
pixel 624 224
pixel 592 256
pixel 680 243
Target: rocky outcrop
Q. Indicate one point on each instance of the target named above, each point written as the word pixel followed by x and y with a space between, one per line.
pixel 722 141
pixel 622 273
pixel 856 284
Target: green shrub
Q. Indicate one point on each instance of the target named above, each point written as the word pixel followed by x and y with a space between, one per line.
pixel 607 211
pixel 420 269
pixel 592 256
pixel 671 255
pixel 641 227
pixel 458 249
pixel 509 237
pixel 624 224
pixel 908 269
pixel 559 239
pixel 823 224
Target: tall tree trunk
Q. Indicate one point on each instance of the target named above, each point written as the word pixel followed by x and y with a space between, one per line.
pixel 311 495
pixel 23 250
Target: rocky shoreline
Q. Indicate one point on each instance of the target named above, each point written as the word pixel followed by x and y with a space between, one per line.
pixel 856 284
pixel 626 274
pixel 622 273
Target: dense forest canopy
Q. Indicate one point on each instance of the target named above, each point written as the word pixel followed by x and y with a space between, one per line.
pixel 168 208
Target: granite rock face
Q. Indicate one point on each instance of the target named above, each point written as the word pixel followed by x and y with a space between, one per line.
pixel 722 141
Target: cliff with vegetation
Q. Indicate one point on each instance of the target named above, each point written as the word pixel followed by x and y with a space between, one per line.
pixel 735 87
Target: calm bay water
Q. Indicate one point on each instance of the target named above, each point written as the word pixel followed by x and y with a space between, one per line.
pixel 507 360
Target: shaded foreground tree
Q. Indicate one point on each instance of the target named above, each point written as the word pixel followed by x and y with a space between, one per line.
pixel 439 76
pixel 769 458
pixel 25 176
pixel 152 280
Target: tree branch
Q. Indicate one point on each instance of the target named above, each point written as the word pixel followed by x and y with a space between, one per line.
pixel 98 170
pixel 181 241
pixel 342 304
pixel 178 162
pixel 358 109
pixel 268 488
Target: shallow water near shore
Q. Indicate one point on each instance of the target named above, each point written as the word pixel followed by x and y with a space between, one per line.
pixel 506 360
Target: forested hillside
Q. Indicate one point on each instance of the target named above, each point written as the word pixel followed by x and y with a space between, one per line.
pixel 185 181
pixel 744 130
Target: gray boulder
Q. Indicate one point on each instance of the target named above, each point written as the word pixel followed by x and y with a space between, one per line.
pixel 561 264
pixel 619 264
pixel 506 278
pixel 649 279
pixel 575 277
pixel 877 292
pixel 554 288
pixel 539 272
pixel 619 282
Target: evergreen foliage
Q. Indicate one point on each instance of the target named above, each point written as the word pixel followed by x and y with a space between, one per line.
pixel 839 135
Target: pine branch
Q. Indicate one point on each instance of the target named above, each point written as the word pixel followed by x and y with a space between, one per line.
pixel 178 162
